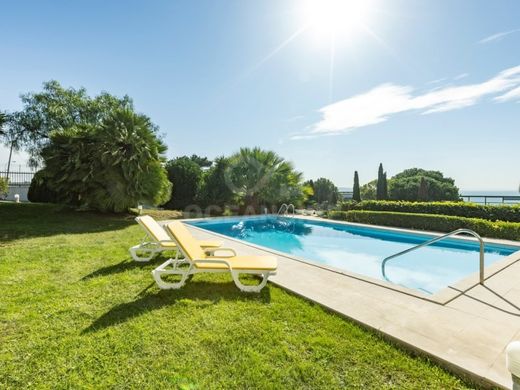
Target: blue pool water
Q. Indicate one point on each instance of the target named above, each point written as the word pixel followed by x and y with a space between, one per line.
pixel 362 249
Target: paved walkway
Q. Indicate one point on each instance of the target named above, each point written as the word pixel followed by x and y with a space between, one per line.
pixel 467 335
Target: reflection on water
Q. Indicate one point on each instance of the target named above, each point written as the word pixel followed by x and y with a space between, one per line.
pixel 246 228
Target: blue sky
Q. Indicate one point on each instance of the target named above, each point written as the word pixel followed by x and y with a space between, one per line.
pixel 433 84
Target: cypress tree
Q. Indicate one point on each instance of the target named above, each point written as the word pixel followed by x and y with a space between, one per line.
pixel 357 193
pixel 380 183
pixel 423 190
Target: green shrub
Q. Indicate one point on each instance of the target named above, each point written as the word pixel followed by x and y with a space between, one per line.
pixel 440 223
pixel 39 191
pixel 4 187
pixel 215 195
pixel 461 209
pixel 186 177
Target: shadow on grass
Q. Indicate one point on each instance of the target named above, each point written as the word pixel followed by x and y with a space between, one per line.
pixel 27 220
pixel 125 265
pixel 196 291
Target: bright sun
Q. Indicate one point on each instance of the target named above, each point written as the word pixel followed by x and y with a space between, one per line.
pixel 330 19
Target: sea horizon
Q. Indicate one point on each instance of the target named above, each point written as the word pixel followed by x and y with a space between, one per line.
pixel 467 192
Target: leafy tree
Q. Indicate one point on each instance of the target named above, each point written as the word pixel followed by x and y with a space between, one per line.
pixel 368 190
pixel 405 185
pixel 356 195
pixel 325 191
pixel 382 186
pixel 110 166
pixel 186 177
pixel 3 122
pixel 7 136
pixel 214 191
pixel 261 178
pixel 202 162
pixel 57 109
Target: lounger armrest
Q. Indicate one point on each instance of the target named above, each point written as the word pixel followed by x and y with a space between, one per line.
pixel 213 261
pixel 212 252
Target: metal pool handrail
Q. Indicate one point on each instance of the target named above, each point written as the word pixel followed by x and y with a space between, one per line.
pixel 433 240
pixel 285 207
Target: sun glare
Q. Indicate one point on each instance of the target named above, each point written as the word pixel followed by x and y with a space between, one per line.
pixel 330 19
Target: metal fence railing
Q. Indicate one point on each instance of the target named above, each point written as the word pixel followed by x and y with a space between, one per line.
pixel 492 199
pixel 345 195
pixel 17 177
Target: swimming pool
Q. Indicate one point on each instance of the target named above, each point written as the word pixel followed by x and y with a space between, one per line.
pixel 361 249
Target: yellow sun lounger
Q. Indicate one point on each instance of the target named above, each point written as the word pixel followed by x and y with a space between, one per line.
pixel 157 240
pixel 196 260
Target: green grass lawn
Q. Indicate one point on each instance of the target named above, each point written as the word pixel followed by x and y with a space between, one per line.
pixel 76 312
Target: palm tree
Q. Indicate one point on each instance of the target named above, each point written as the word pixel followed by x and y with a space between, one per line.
pixel 262 178
pixel 109 167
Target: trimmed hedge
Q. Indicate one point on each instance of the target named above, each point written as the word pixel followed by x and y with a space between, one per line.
pixel 440 223
pixel 461 209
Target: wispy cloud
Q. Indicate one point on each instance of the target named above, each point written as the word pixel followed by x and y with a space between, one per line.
pixel 444 79
pixel 514 94
pixel 498 36
pixel 380 103
pixel 461 76
pixel 437 81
